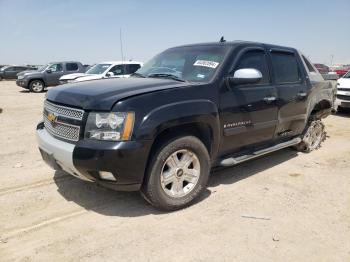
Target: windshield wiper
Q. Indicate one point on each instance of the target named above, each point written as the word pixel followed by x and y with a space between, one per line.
pixel 165 75
pixel 138 74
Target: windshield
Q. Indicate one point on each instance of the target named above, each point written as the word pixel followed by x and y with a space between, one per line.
pixel 43 68
pixel 193 63
pixel 3 68
pixel 98 69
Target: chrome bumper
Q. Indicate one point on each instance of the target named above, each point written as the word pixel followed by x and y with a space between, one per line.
pixel 61 151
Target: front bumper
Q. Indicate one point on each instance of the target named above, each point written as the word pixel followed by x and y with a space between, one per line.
pixel 342 99
pixel 22 83
pixel 85 159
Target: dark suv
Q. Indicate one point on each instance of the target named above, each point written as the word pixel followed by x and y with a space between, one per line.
pixel 48 75
pixel 188 109
pixel 10 72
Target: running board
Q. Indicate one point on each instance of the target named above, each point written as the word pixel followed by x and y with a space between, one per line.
pixel 236 160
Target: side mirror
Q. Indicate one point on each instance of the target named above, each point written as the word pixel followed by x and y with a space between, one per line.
pixel 109 74
pixel 245 76
pixel 49 71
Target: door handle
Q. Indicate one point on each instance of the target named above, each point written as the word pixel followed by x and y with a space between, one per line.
pixel 302 95
pixel 269 99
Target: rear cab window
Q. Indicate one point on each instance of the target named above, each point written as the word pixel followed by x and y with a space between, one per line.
pixel 72 67
pixel 132 68
pixel 285 67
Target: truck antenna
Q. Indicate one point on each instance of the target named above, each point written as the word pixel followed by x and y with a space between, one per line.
pixel 121 43
pixel 222 39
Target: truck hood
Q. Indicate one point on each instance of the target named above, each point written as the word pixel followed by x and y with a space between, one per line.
pixel 32 74
pixel 72 76
pixel 89 77
pixel 26 72
pixel 103 94
pixel 344 83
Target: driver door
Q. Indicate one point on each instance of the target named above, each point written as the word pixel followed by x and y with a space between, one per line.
pixel 249 111
pixel 53 74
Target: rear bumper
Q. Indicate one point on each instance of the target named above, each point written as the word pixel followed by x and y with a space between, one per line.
pixel 86 159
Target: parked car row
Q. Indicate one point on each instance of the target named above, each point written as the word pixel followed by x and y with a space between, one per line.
pixel 10 72
pixel 55 73
pixel 104 70
pixel 48 75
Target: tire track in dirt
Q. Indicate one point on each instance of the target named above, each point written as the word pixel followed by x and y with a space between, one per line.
pixel 54 220
pixel 6 191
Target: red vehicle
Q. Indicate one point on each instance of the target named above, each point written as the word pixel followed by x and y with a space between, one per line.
pixel 323 69
pixel 341 72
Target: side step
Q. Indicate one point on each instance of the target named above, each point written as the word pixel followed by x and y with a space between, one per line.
pixel 236 160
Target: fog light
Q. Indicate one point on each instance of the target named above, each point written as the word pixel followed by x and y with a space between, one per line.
pixel 107 176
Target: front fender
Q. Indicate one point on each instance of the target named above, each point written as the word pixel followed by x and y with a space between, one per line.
pixel 179 113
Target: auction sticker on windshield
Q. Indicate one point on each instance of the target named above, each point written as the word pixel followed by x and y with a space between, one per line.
pixel 206 63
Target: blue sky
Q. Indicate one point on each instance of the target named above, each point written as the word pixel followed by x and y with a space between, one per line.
pixel 40 31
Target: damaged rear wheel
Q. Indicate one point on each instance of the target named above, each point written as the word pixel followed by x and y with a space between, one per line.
pixel 313 136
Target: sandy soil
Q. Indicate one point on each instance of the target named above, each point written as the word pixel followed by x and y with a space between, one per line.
pixel 301 205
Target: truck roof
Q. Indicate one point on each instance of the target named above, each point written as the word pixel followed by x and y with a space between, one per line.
pixel 57 62
pixel 236 43
pixel 120 62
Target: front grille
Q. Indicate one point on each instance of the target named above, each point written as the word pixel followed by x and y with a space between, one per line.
pixel 63 122
pixel 343 89
pixel 64 111
pixel 343 97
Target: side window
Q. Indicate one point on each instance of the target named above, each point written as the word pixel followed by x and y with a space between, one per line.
pixel 10 69
pixel 56 67
pixel 117 70
pixel 308 64
pixel 133 68
pixel 72 66
pixel 255 59
pixel 285 67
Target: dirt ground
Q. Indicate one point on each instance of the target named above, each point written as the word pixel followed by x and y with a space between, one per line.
pixel 286 206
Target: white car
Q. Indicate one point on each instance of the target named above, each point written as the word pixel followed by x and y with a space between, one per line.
pixel 104 70
pixel 343 92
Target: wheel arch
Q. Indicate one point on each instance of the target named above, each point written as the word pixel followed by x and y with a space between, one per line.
pixel 36 79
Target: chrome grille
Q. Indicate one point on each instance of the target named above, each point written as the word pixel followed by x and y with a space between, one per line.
pixel 62 125
pixel 68 132
pixel 64 111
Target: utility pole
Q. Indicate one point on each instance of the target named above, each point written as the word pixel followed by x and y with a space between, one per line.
pixel 332 56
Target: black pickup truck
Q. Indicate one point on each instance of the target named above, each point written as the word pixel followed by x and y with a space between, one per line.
pixel 188 109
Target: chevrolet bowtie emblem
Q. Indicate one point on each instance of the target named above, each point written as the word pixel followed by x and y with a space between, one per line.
pixel 51 117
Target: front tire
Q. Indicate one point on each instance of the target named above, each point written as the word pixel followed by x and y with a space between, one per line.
pixel 313 136
pixel 177 174
pixel 36 86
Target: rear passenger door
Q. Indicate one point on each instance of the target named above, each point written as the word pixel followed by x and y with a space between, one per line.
pixel 292 89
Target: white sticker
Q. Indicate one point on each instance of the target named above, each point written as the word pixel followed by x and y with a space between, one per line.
pixel 206 63
pixel 200 76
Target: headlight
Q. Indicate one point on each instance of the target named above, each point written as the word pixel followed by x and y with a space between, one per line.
pixel 114 126
pixel 20 77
